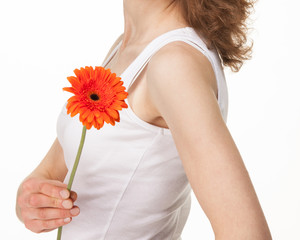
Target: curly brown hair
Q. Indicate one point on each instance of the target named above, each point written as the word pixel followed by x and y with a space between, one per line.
pixel 223 24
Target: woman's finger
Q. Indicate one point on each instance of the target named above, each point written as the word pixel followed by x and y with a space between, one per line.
pixel 42 201
pixel 73 196
pixel 39 226
pixel 51 213
pixel 50 188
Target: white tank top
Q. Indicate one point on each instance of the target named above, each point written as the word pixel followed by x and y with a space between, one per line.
pixel 130 181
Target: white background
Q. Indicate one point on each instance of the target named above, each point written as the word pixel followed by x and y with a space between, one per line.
pixel 41 42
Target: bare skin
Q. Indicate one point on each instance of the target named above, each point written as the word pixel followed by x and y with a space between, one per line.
pixel 180 91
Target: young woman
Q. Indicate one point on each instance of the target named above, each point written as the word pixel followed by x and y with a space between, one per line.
pixel 135 179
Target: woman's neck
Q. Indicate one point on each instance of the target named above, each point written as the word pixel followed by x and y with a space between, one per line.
pixel 146 19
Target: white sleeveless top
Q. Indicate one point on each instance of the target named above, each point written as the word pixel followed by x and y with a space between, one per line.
pixel 130 181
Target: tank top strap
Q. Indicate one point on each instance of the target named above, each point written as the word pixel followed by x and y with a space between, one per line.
pixel 112 54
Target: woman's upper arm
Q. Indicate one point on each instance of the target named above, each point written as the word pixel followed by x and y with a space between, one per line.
pixel 53 165
pixel 180 84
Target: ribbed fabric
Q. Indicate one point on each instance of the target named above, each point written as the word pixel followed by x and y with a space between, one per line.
pixel 130 182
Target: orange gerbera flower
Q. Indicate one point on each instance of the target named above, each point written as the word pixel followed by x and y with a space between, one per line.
pixel 98 95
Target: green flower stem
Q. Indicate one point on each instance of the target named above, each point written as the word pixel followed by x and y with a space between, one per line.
pixel 74 170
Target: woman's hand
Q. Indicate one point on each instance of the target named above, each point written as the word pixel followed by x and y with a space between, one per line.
pixel 45 205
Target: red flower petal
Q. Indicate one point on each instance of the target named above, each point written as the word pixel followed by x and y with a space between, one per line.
pixel 114 114
pixel 90 117
pixel 106 85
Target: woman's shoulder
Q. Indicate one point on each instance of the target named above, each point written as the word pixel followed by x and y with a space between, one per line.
pixel 181 59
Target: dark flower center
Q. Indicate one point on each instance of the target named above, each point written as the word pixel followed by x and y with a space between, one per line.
pixel 94 97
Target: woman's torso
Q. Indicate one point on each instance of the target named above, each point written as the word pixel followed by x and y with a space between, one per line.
pixel 130 182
